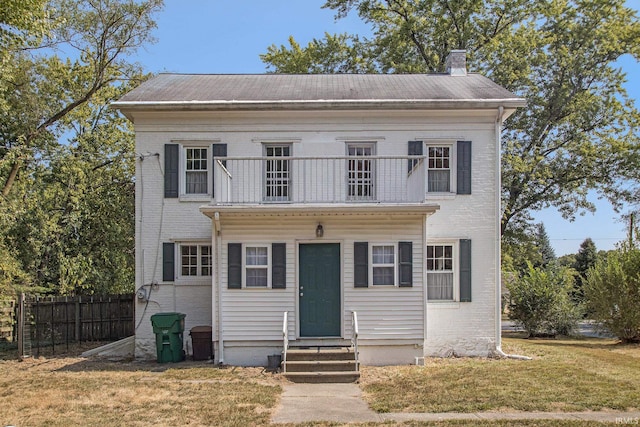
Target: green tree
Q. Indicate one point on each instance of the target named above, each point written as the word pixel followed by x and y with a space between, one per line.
pixel 585 260
pixel 44 88
pixel 547 254
pixel 579 131
pixel 66 159
pixel 612 293
pixel 540 302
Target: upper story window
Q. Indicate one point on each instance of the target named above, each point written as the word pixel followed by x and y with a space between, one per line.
pixel 277 172
pixel 196 171
pixel 439 169
pixel 360 173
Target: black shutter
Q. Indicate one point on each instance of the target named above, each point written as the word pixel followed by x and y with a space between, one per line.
pixel 465 270
pixel 171 170
pixel 218 150
pixel 464 167
pixel 360 264
pixel 278 265
pixel 168 262
pixel 405 255
pixel 234 256
pixel 415 149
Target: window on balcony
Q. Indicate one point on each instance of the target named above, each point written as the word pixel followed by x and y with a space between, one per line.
pixel 439 169
pixel 277 173
pixel 196 171
pixel 360 173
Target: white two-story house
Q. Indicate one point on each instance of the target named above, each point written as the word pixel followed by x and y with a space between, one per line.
pixel 277 206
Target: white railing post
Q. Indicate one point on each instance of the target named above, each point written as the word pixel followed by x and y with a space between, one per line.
pixel 285 340
pixel 354 338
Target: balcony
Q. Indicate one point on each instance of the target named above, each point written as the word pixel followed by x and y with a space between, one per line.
pixel 319 180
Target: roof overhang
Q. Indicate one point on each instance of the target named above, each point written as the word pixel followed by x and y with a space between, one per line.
pixel 334 209
pixel 128 107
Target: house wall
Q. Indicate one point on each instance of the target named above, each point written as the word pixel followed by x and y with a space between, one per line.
pixel 387 316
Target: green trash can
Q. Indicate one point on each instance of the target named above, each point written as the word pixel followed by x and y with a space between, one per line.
pixel 169 329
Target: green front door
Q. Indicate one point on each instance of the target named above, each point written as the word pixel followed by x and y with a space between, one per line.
pixel 319 290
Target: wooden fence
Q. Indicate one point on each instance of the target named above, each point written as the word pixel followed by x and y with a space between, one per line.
pixel 55 322
pixel 7 320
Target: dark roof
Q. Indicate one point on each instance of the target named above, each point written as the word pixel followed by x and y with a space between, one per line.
pixel 227 91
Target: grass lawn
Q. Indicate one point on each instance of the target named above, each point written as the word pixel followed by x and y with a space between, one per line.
pixel 564 376
pixel 80 392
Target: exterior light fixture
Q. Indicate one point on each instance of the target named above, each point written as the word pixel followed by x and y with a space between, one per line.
pixel 319 231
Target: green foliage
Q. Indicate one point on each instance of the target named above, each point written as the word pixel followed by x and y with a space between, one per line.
pixel 338 53
pixel 540 301
pixel 528 245
pixel 66 159
pixel 612 293
pixel 578 132
pixel 585 259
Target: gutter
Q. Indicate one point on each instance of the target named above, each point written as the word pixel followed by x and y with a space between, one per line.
pixel 218 244
pixel 498 349
pixel 321 104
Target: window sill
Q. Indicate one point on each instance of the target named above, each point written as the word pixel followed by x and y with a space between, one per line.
pixel 195 198
pixel 440 196
pixel 193 281
pixel 443 304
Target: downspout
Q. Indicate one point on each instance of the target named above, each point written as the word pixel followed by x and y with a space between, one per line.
pixel 498 250
pixel 218 245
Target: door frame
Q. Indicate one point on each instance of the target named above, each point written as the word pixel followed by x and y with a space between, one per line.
pixel 297 285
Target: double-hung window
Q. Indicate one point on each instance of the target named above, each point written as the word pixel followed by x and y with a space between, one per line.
pixel 277 173
pixel 360 173
pixel 440 272
pixel 195 260
pixel 439 169
pixel 383 264
pixel 196 171
pixel 256 266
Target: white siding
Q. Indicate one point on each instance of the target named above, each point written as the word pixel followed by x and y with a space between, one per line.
pixel 384 312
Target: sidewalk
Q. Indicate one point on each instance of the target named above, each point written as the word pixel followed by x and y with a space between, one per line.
pixel 343 403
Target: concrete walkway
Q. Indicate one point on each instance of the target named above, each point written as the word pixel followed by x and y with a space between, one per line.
pixel 343 403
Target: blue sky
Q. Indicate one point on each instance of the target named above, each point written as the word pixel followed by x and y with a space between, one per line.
pixel 227 36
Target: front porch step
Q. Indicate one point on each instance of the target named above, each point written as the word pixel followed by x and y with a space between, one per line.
pixel 320 353
pixel 321 365
pixel 323 377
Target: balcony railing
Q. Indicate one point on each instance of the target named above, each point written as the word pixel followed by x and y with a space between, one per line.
pixel 345 179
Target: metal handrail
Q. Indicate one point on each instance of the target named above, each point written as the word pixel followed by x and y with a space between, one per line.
pixel 285 339
pixel 354 338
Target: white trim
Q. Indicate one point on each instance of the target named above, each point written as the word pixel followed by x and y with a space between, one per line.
pixel 394 245
pixel 455 258
pixel 453 166
pixel 359 139
pixel 183 196
pixel 198 277
pixel 245 246
pixel 276 141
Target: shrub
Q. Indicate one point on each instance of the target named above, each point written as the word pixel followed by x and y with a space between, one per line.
pixel 541 301
pixel 612 293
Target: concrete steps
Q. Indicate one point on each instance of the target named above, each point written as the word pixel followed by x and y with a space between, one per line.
pixel 321 365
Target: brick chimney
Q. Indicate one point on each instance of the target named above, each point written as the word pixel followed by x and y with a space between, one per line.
pixel 456 63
